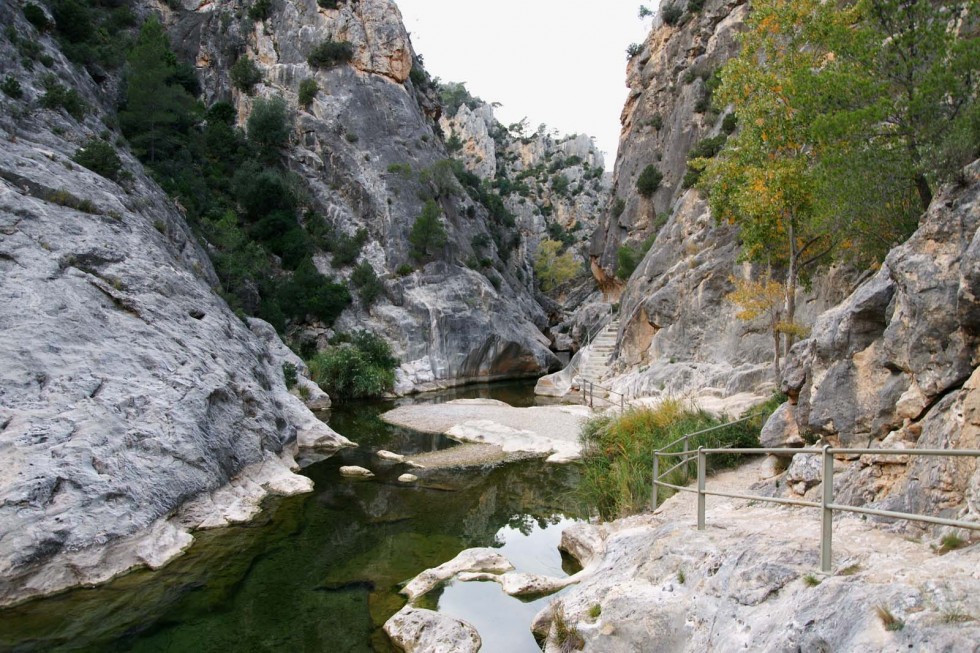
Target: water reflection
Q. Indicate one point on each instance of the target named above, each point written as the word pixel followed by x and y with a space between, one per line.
pixel 321 571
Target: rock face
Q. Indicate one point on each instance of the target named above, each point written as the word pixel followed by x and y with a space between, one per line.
pixel 127 386
pixel 665 116
pixel 369 151
pixel 895 365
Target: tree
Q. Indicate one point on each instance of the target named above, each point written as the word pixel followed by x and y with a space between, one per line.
pixel 157 114
pixel 99 157
pixel 245 75
pixel 763 299
pixel 649 181
pixel 553 269
pixel 308 88
pixel 268 126
pixel 427 234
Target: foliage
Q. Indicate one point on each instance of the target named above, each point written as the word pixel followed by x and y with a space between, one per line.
pixel 404 269
pixel 567 636
pixel 99 157
pixel 330 53
pixel 357 366
pixel 729 123
pixel 553 269
pixel 11 87
pixel 695 5
pixel 308 88
pixel 245 75
pixel 259 10
pixel 289 375
pixel 633 49
pixel 706 148
pixel 310 293
pixel 453 95
pixel 57 96
pixel 367 283
pixel 671 14
pixel 268 126
pixel 617 453
pixel 94 34
pixel 649 181
pixel 427 234
pixel 346 248
pixel 618 206
pixel 158 110
pixel 328 4
pixel 629 256
pixel 36 17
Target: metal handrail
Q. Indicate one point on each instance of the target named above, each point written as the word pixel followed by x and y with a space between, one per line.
pixel 588 395
pixel 826 504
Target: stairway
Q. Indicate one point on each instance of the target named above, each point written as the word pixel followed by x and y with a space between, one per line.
pixel 600 352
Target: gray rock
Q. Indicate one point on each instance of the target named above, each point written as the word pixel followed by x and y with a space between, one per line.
pixel 416 630
pixel 356 471
pixel 780 430
pixel 804 472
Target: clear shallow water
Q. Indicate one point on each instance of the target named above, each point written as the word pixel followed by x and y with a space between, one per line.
pixel 320 572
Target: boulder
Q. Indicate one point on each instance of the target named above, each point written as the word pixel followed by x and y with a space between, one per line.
pixel 355 471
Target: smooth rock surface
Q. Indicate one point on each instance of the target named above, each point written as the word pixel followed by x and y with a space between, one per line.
pixel 416 630
pixel 355 471
pixel 471 560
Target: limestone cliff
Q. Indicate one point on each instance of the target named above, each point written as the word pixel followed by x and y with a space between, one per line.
pixel 895 366
pixel 127 386
pixel 368 150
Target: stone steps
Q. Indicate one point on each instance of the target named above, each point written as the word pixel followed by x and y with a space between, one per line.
pixel 601 350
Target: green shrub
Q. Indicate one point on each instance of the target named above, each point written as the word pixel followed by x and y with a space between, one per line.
pixel 695 5
pixel 366 280
pixel 245 75
pixel 418 77
pixel 358 366
pixel 57 96
pixel 427 234
pixel 404 269
pixel 309 293
pixel 617 452
pixel 346 248
pixel 259 10
pixel 73 20
pixel 12 88
pixel 618 207
pixel 649 181
pixel 269 125
pixel 330 53
pixel 261 191
pixel 99 157
pixel 328 4
pixel 629 256
pixel 671 14
pixel 633 49
pixel 708 147
pixel 656 121
pixel 289 375
pixel 36 17
pixel 729 123
pixel 308 88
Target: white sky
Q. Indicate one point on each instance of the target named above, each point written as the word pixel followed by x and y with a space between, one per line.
pixel 558 62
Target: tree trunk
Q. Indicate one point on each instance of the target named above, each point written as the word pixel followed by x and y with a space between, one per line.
pixel 791 273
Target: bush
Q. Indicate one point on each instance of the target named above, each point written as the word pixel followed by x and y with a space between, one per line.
pixel 261 191
pixel 310 293
pixel 331 53
pixel 358 366
pixel 328 4
pixel 656 121
pixel 404 269
pixel 36 17
pixel 57 96
pixel 617 453
pixel 245 75
pixel 259 10
pixel 633 49
pixel 289 375
pixel 729 123
pixel 618 207
pixel 308 88
pixel 553 269
pixel 367 283
pixel 12 88
pixel 99 157
pixel 695 5
pixel 427 234
pixel 671 14
pixel 649 181
pixel 346 248
pixel 269 125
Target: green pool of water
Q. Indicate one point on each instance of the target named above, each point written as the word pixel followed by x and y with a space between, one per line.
pixel 320 572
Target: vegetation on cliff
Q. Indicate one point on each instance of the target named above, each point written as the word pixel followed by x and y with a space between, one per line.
pixel 849 116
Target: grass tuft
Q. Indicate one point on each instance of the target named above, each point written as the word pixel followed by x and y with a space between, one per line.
pixel 811 581
pixel 950 542
pixel 567 636
pixel 889 620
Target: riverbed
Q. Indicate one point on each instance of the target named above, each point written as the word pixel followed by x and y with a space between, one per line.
pixel 321 571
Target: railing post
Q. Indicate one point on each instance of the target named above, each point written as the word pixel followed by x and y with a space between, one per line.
pixel 656 477
pixel 687 463
pixel 702 463
pixel 827 524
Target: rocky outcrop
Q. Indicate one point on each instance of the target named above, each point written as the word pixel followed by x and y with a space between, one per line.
pixel 748 582
pixel 127 386
pixel 369 152
pixel 666 113
pixel 895 365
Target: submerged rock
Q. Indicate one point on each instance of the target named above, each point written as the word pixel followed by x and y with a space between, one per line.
pixel 470 560
pixel 407 478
